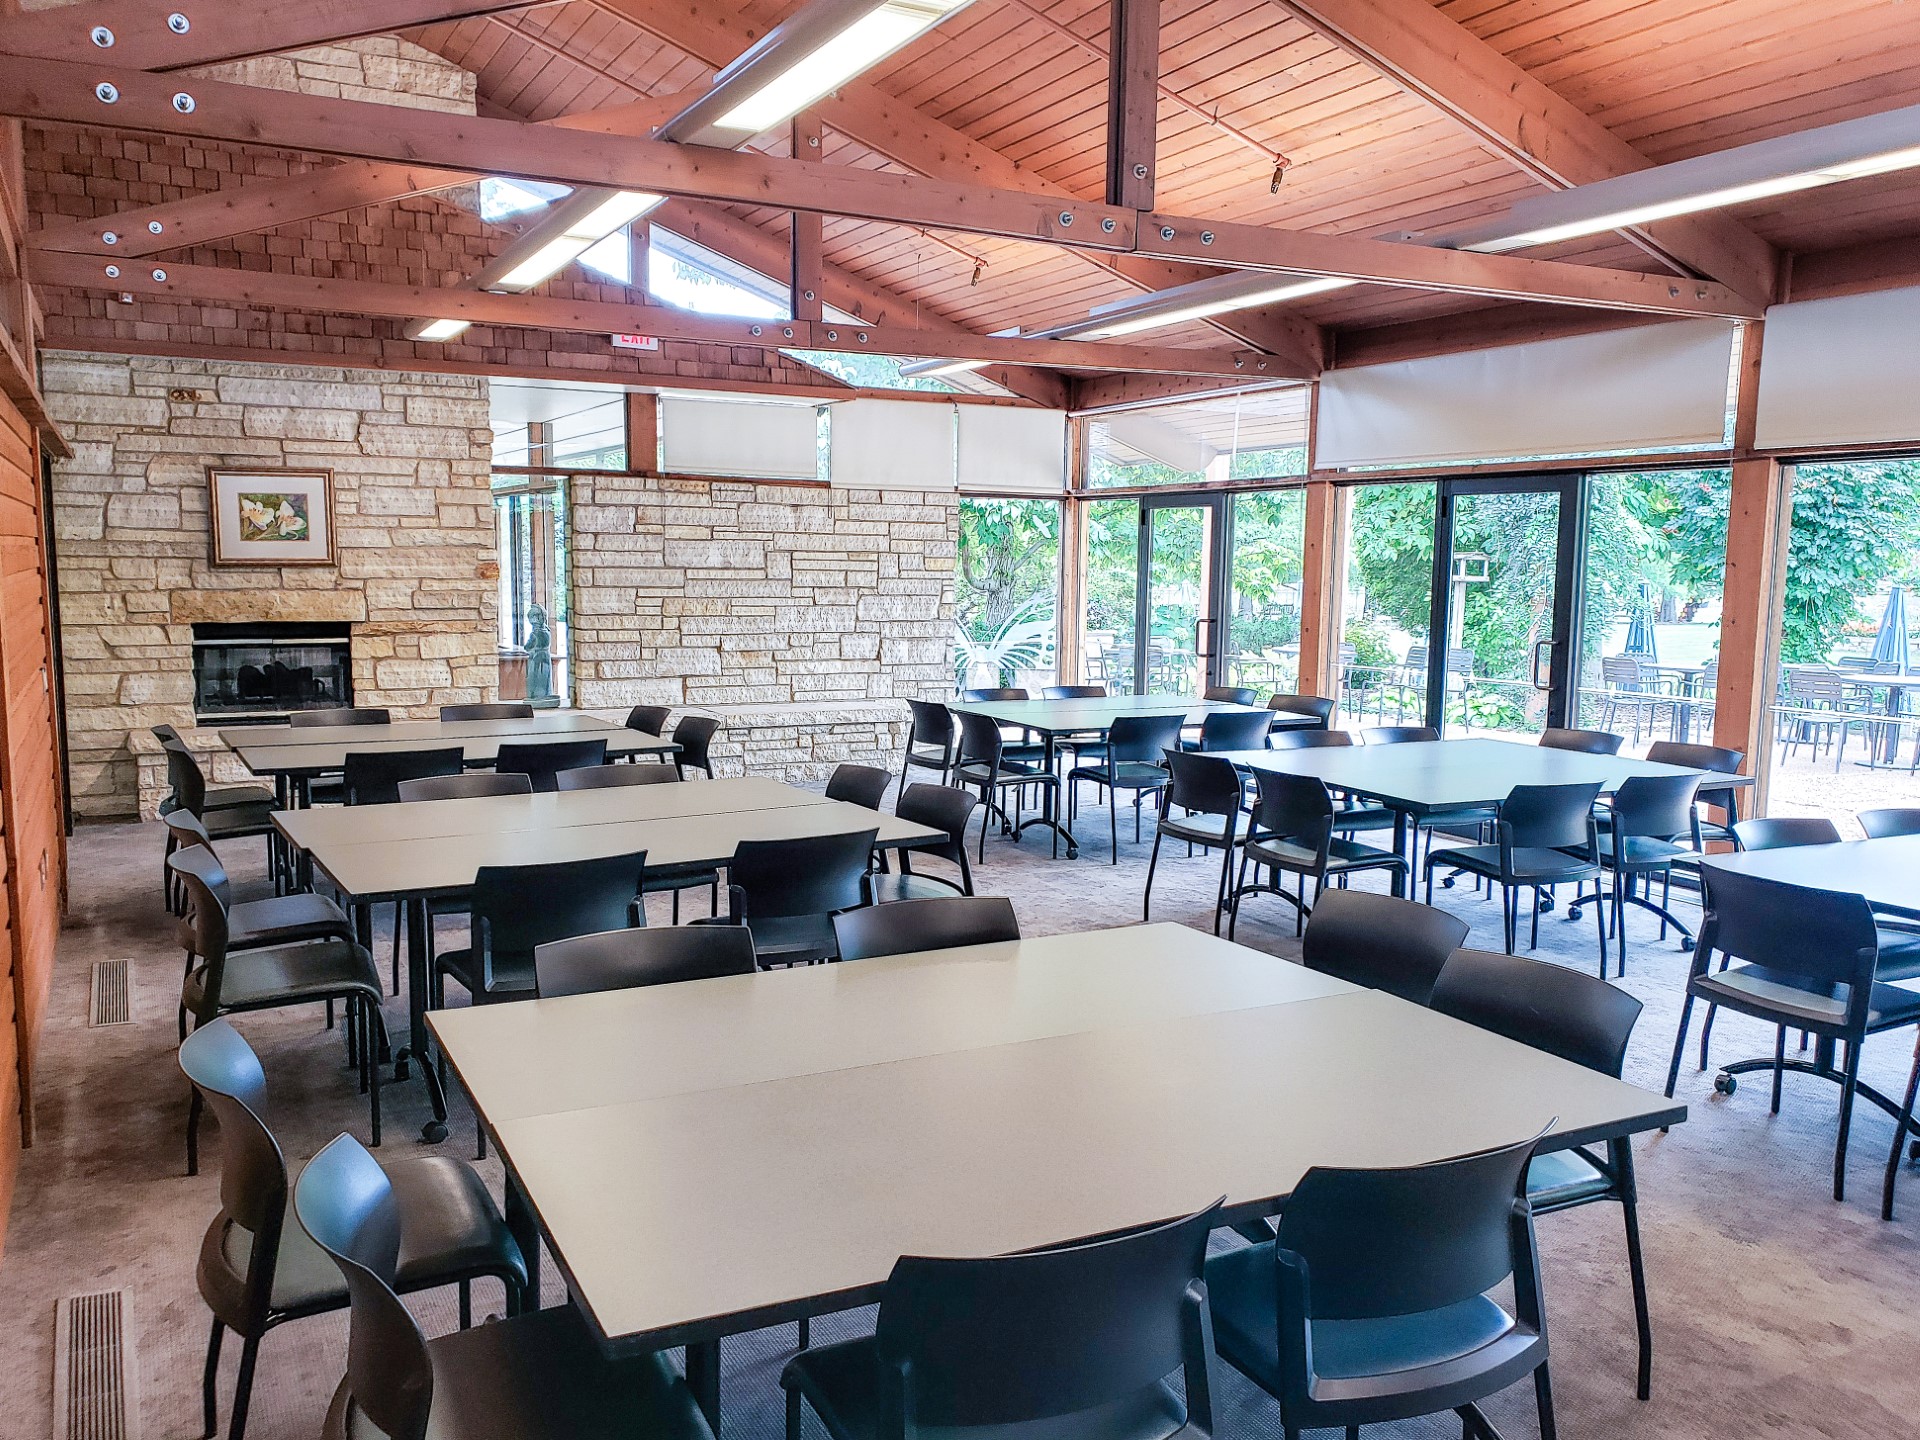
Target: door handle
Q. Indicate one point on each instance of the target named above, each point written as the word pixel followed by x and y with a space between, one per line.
pixel 1543 681
pixel 1211 623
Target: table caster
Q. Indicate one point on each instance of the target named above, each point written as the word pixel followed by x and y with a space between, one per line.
pixel 402 1072
pixel 1913 1150
pixel 1686 945
pixel 433 1132
pixel 1073 852
pixel 1724 1084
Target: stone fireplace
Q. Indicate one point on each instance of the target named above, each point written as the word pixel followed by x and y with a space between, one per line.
pixel 261 673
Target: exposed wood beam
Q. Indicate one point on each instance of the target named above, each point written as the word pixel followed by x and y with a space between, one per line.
pixel 805 234
pixel 1094 393
pixel 1877 265
pixel 1484 329
pixel 1133 102
pixel 1757 518
pixel 1529 124
pixel 865 113
pixel 217 285
pixel 141 38
pixel 57 91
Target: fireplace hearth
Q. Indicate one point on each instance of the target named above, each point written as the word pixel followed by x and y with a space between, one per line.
pixel 264 671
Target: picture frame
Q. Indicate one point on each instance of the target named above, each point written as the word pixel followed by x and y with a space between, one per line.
pixel 271 516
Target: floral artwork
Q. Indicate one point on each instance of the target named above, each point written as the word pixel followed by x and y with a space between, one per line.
pixel 272 517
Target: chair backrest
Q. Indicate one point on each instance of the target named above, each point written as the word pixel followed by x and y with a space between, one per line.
pixel 1236 730
pixel 610 777
pixel 542 760
pixel 694 735
pixel 1073 692
pixel 627 959
pixel 203 929
pixel 980 740
pixel 1047 1333
pixel 253 1171
pixel 1586 742
pixel 491 710
pixel 1881 824
pixel 341 715
pixel 185 777
pixel 1655 805
pixel 1780 832
pixel 649 719
pixel 1549 817
pixel 864 785
pixel 1204 784
pixel 373 776
pixel 1231 694
pixel 519 907
pixel 1001 692
pixel 186 831
pixel 1141 739
pixel 469 785
pixel 1378 1243
pixel 1697 757
pixel 1398 734
pixel 1381 942
pixel 1577 1017
pixel 1296 808
pixel 164 733
pixel 1620 672
pixel 1309 739
pixel 1318 706
pixel 812 875
pixel 198 858
pixel 1822 935
pixel 941 807
pixel 345 1202
pixel 932 723
pixel 904 927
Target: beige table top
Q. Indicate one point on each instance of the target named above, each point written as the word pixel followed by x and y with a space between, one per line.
pixel 476 750
pixel 762 1186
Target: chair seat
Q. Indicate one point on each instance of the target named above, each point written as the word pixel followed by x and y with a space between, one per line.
pixel 658 879
pixel 1899 954
pixel 238 822
pixel 895 886
pixel 1341 855
pixel 1240 1293
pixel 842 1383
pixel 227 797
pixel 1202 829
pixel 284 975
pixel 1756 989
pixel 974 773
pixel 1363 817
pixel 1643 851
pixel 512 976
pixel 285 920
pixel 789 939
pixel 1530 866
pixel 1127 775
pixel 1561 1178
pixel 540 1376
pixel 1466 820
pixel 327 790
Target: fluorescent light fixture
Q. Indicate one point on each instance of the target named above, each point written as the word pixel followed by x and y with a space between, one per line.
pixel 438 329
pixel 942 367
pixel 619 209
pixel 546 262
pixel 1204 309
pixel 582 221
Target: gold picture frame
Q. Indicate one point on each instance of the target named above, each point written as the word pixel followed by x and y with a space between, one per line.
pixel 270 516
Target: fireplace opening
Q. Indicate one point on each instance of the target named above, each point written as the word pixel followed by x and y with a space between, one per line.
pixel 263 671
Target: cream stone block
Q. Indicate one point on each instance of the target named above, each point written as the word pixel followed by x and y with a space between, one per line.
pixel 287 422
pixel 143 512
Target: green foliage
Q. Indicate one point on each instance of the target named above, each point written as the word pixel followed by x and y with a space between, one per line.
pixel 1392 551
pixel 1009 564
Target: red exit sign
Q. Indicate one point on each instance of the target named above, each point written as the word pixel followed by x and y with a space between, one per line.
pixel 636 342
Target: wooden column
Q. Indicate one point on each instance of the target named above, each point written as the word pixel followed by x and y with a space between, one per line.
pixel 1320 576
pixel 1073 591
pixel 1756 558
pixel 643 432
pixel 806 229
pixel 1133 100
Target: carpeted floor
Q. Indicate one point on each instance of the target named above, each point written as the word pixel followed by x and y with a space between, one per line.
pixel 1775 1310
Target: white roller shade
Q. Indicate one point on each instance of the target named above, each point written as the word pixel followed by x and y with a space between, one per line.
pixel 893 445
pixel 1002 448
pixel 1646 388
pixel 1841 371
pixel 736 437
pixel 1148 435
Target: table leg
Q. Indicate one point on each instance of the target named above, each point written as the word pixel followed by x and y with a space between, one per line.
pixel 526 1234
pixel 1049 815
pixel 417 1046
pixel 703 1378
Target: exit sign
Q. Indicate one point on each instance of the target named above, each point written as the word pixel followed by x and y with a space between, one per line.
pixel 636 342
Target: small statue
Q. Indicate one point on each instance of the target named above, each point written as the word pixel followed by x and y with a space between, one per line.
pixel 539 658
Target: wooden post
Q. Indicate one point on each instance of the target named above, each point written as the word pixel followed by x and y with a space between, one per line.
pixel 1133 102
pixel 807 267
pixel 1320 575
pixel 1756 559
pixel 1071 662
pixel 643 432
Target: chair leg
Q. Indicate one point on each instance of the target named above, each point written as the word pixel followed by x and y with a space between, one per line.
pixel 1226 878
pixel 243 1388
pixel 209 1383
pixel 793 1414
pixel 194 1106
pixel 1543 1397
pixel 1779 1066
pixel 1848 1086
pixel 1533 939
pixel 1895 1152
pixel 1622 1157
pixel 1679 1044
pixel 374 1026
pixel 1113 824
pixel 1619 923
pixel 1146 897
pixel 1509 914
pixel 466 1304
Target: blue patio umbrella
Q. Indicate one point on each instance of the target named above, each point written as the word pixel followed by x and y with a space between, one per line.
pixel 1890 645
pixel 1641 641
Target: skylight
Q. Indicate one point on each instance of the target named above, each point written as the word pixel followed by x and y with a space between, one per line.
pixel 501 198
pixel 611 257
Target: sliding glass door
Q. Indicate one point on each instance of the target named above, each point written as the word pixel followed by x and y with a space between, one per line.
pixel 1177 623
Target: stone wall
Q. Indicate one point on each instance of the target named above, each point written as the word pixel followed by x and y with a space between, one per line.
pixel 413 525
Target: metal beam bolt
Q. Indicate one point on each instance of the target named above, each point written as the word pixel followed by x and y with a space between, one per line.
pixel 178 23
pixel 154 227
pixel 106 92
pixel 102 36
pixel 183 102
pixel 110 237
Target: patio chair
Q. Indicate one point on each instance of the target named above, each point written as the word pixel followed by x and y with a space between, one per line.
pixel 1631 691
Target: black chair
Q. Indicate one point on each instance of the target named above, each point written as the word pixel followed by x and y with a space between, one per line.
pixel 1231 694
pixel 1381 942
pixel 1078 1341
pixel 214 797
pixel 1310 740
pixel 474 784
pixel 1293 832
pixel 1235 730
pixel 649 719
pixel 250 820
pixel 1805 959
pixel 1398 734
pixel 1019 744
pixel 537 1376
pixel 517 908
pixel 1887 823
pixel 541 761
pixel 992 693
pixel 1073 692
pixel 1205 789
pixel 1545 836
pixel 612 777
pixel 1639 842
pixel 943 808
pixel 1371 1304
pixel 256 1271
pixel 1724 798
pixel 491 710
pixel 1133 762
pixel 862 785
pixel 628 959
pixel 981 763
pixel 1588 1022
pixel 909 926
pixel 786 892
pixel 694 735
pixel 373 776
pixel 1585 742
pixel 929 740
pixel 1316 707
pixel 340 715
pixel 222 981
pixel 1781 832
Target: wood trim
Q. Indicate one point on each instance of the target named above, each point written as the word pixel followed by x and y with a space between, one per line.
pixel 806 260
pixel 1320 585
pixel 643 427
pixel 1133 101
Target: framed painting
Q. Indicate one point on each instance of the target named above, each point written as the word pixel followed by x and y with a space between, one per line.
pixel 272 517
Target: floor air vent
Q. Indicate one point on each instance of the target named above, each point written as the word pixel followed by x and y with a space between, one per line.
pixel 93 1380
pixel 111 1004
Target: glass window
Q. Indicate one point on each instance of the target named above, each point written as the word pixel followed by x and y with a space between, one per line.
pixel 501 198
pixel 1006 593
pixel 1387 605
pixel 535 617
pixel 1263 609
pixel 1260 435
pixel 1110 581
pixel 594 438
pixel 692 277
pixel 611 257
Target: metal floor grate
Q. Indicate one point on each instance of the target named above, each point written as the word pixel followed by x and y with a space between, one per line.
pixel 110 1002
pixel 93 1382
